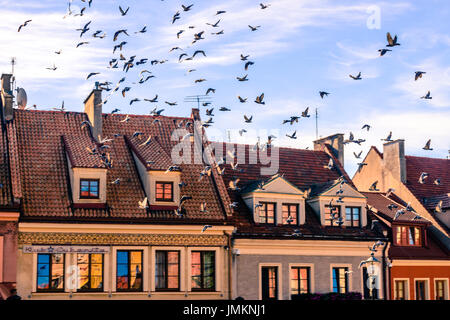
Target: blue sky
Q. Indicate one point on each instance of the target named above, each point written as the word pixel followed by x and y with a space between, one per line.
pixel 302 47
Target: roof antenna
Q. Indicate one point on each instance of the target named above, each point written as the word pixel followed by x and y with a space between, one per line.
pixel 229 136
pixel 317 124
pixel 198 98
pixel 13 63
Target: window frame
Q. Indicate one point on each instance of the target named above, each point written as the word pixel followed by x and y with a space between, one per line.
pixel 89 276
pixel 406 288
pixel 426 282
pixel 404 241
pixel 202 276
pixel 289 205
pixel 171 191
pixel 266 213
pixel 50 273
pixel 347 280
pixel 90 180
pixel 330 221
pixel 351 221
pixel 141 288
pixel 308 279
pixel 444 288
pixel 166 271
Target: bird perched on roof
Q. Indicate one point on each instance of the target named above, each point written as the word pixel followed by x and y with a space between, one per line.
pixel 391 42
pixel 418 74
pixel 399 213
pixel 388 138
pixel 392 206
pixel 296 233
pixel 427 145
pixel 203 207
pixel 437 181
pixel 422 177
pixel 172 168
pixel 205 227
pixel 373 186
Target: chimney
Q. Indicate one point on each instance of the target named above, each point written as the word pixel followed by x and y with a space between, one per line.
pixel 394 159
pixel 195 114
pixel 336 142
pixel 93 109
pixel 7 96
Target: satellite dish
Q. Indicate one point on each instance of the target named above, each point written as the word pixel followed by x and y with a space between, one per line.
pixel 21 98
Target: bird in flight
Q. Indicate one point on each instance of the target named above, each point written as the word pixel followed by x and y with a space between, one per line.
pixel 427 145
pixel 253 28
pixel 143 203
pixel 244 78
pixel 292 136
pixel 220 12
pixel 357 156
pixel 305 113
pixel 259 99
pixel 418 74
pixel 366 126
pixel 373 186
pixel 391 42
pixel 242 100
pixel 81 43
pixel 427 96
pixel 52 68
pixel 247 119
pixel 92 74
pixel 23 25
pixel 388 138
pixel 323 93
pixel 205 227
pixel 123 13
pixel 383 51
pixel 247 64
pixel 358 77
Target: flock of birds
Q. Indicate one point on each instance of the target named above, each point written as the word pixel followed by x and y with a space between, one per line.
pixel 145 75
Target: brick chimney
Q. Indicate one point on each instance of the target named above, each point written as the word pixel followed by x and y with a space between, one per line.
pixel 93 109
pixel 336 141
pixel 394 159
pixel 7 96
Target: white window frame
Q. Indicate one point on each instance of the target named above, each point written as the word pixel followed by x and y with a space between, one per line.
pixel 446 287
pixel 349 275
pixel 427 288
pixel 311 275
pixel 279 279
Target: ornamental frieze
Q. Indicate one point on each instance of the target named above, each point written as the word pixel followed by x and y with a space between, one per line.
pixel 120 239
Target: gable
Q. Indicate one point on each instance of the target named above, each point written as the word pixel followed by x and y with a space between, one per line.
pixel 281 186
pixel 348 191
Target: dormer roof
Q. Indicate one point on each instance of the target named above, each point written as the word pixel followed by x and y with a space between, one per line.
pixel 150 153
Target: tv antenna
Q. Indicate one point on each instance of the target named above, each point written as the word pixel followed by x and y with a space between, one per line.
pixel 317 124
pixel 13 63
pixel 199 99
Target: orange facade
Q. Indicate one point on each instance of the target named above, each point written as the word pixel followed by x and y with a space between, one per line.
pixel 434 277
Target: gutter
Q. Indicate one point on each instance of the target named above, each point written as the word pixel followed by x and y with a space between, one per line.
pixel 384 272
pixel 230 296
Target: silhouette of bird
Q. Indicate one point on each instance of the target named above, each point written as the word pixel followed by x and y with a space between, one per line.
pixel 418 74
pixel 253 28
pixel 427 145
pixel 23 25
pixel 358 77
pixel 391 42
pixel 259 99
pixel 123 13
pixel 323 93
pixel 427 96
pixel 383 51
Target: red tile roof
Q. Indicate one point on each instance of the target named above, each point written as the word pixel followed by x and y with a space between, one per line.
pixel 152 155
pixel 303 169
pixel 43 171
pixel 380 202
pixel 436 168
pixel 76 148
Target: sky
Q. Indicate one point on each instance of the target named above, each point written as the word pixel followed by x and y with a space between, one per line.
pixel 301 47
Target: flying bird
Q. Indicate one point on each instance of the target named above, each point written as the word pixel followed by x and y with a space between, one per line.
pixel 323 93
pixel 366 126
pixel 244 78
pixel 259 99
pixel 247 119
pixel 143 203
pixel 123 13
pixel 292 136
pixel 427 96
pixel 373 186
pixel 247 64
pixel 383 51
pixel 391 42
pixel 242 100
pixel 418 74
pixel 358 77
pixel 92 74
pixel 205 227
pixel 23 25
pixel 253 28
pixel 427 145
pixel 305 113
pixel 422 177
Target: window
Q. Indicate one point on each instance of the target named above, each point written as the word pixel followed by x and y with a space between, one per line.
pixel 440 289
pixel 89 188
pixel 267 212
pixel 353 216
pixel 50 272
pixel 164 191
pixel 420 290
pixel 340 280
pixel 328 214
pixel 290 211
pixel 129 270
pixel 400 289
pixel 269 283
pixel 167 270
pixel 203 270
pixel 408 236
pixel 90 272
pixel 300 278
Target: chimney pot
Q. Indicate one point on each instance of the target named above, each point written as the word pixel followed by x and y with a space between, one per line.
pixel 336 141
pixel 7 96
pixel 93 109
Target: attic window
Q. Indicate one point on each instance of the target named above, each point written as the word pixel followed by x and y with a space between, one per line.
pixel 290 211
pixel 329 210
pixel 267 213
pixel 164 191
pixel 89 188
pixel 408 236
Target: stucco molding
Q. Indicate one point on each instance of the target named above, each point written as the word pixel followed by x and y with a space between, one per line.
pixel 120 239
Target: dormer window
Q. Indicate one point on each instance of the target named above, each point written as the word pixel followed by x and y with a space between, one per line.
pixel 332 213
pixel 164 191
pixel 408 236
pixel 89 188
pixel 353 216
pixel 267 212
pixel 290 214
